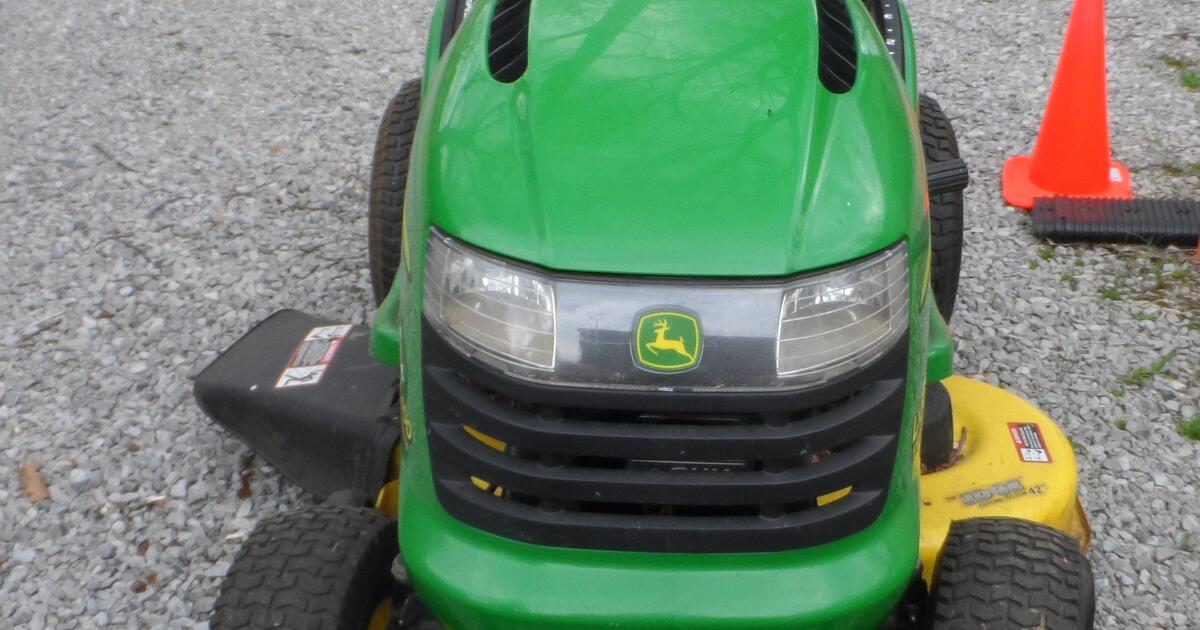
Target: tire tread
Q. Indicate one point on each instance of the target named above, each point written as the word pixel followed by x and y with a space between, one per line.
pixel 321 568
pixel 1005 573
pixel 945 210
pixel 389 182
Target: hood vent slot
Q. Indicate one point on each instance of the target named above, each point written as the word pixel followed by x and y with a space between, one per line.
pixel 508 42
pixel 838 56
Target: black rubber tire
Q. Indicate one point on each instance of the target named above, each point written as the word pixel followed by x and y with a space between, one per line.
pixel 320 568
pixel 945 210
pixel 389 180
pixel 1005 573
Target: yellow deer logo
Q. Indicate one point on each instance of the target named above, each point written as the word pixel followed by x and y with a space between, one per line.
pixel 667 341
pixel 662 343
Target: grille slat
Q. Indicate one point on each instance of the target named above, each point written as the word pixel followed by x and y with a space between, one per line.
pixel 660 487
pixel 669 534
pixel 862 414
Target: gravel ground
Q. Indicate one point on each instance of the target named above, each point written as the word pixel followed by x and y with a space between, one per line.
pixel 174 171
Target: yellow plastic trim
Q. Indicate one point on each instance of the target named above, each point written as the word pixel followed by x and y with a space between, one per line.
pixel 991 479
pixel 826 499
pixel 487 486
pixel 381 616
pixel 485 438
pixel 388 498
pixel 492 442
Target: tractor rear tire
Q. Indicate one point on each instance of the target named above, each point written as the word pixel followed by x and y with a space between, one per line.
pixel 320 568
pixel 389 181
pixel 945 210
pixel 1005 573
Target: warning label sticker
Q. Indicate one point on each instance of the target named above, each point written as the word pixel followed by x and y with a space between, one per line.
pixel 1031 446
pixel 312 356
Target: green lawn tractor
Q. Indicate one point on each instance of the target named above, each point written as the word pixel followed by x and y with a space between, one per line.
pixel 661 344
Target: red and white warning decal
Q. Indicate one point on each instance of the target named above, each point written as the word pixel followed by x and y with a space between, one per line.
pixel 1031 446
pixel 312 356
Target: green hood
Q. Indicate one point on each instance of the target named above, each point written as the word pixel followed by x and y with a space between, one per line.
pixel 679 137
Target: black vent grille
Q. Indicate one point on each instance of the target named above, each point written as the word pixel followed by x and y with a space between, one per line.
pixel 508 43
pixel 838 56
pixel 655 471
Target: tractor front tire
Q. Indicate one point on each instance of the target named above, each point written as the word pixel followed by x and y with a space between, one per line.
pixel 320 568
pixel 1005 573
pixel 945 210
pixel 389 181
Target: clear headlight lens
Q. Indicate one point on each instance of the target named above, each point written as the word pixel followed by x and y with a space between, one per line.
pixel 504 310
pixel 832 323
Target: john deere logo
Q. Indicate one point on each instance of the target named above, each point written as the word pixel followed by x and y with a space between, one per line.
pixel 667 341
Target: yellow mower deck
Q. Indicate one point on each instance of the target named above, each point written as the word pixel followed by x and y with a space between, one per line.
pixel 1013 462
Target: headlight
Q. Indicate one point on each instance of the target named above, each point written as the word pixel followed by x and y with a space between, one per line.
pixel 655 333
pixel 834 322
pixel 504 310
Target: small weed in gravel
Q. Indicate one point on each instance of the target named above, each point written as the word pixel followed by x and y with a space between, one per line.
pixel 1110 293
pixel 1166 279
pixel 1188 76
pixel 1121 424
pixel 1046 253
pixel 1180 170
pixel 1190 429
pixel 1070 279
pixel 1174 63
pixel 1142 375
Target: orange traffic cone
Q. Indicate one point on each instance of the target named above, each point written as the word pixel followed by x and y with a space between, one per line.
pixel 1072 156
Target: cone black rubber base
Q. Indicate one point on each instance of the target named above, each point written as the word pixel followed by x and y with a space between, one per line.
pixel 1157 221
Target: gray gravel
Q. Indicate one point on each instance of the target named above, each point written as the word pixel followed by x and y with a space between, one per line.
pixel 171 172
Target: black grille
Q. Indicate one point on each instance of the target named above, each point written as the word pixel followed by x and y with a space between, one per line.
pixel 838 55
pixel 659 471
pixel 508 41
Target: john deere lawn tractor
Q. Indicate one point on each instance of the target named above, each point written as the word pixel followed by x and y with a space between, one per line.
pixel 661 344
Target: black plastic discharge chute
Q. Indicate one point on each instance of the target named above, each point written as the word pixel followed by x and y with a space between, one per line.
pixel 321 411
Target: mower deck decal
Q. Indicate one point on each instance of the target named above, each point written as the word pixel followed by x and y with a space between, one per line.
pixel 1031 445
pixel 312 357
pixel 999 493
